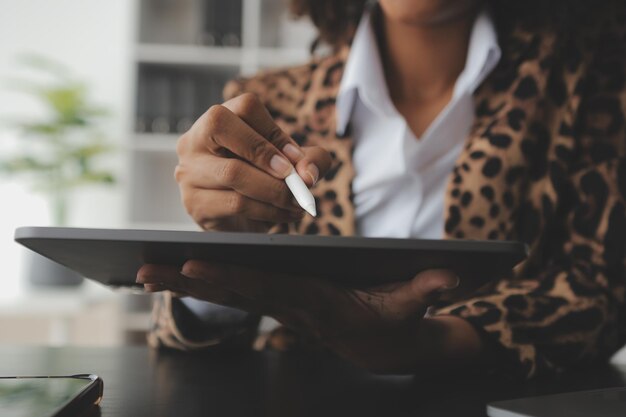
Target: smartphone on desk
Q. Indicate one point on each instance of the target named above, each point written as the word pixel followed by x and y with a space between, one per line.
pixel 49 396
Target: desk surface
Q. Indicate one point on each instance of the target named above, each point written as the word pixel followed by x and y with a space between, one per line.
pixel 139 382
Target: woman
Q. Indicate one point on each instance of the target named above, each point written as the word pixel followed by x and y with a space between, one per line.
pixel 433 119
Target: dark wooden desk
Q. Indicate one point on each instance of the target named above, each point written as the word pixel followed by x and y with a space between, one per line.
pixel 139 382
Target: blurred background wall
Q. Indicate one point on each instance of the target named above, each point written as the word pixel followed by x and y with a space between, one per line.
pixel 95 40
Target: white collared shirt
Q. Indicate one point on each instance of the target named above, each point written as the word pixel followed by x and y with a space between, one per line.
pixel 400 181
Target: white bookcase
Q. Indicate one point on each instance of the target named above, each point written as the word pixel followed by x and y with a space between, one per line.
pixel 185 51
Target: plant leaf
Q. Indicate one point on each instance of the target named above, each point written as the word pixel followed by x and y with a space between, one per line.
pixel 23 164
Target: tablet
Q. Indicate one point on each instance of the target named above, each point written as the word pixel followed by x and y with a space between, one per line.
pixel 606 402
pixel 113 256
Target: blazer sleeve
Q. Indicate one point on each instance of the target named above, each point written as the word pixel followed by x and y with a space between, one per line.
pixel 572 311
pixel 174 326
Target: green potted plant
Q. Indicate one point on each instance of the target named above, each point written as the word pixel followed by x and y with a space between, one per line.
pixel 59 151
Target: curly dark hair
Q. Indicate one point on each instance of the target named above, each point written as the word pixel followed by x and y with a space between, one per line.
pixel 336 20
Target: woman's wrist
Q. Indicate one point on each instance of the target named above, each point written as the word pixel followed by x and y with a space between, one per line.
pixel 440 345
pixel 448 343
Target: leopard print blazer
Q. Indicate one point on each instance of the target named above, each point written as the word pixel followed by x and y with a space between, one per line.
pixel 545 164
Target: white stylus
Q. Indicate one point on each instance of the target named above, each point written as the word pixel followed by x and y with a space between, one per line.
pixel 301 192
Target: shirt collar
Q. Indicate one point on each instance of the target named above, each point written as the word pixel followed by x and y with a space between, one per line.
pixel 364 75
pixel 483 54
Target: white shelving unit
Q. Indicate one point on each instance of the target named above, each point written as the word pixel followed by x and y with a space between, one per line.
pixel 171 42
pixel 191 55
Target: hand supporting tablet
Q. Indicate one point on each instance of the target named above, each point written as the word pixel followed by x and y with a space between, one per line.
pixel 365 298
pixel 382 328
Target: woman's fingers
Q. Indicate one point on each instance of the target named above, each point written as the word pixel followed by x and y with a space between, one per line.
pixel 277 291
pixel 226 130
pixel 211 172
pixel 313 165
pixel 232 166
pixel 150 287
pixel 210 205
pixel 413 297
pixel 294 301
pixel 166 277
pixel 409 299
pixel 249 108
pixel 427 284
pixel 311 162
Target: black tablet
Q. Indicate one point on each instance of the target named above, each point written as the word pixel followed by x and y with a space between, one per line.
pixel 113 256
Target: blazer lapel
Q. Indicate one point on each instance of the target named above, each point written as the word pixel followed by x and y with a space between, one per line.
pixel 318 126
pixel 490 178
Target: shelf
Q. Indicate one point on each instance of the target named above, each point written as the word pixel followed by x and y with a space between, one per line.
pixel 188 55
pixel 155 142
pixel 194 55
pixel 277 57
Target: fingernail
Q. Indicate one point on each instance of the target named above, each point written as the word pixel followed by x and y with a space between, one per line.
pixel 150 288
pixel 292 151
pixel 313 172
pixel 140 279
pixel 452 286
pixel 280 165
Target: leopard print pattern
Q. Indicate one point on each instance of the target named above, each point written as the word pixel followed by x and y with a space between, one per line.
pixel 165 333
pixel 545 163
pixel 550 144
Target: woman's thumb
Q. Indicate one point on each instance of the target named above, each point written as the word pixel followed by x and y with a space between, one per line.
pixel 314 165
pixel 416 295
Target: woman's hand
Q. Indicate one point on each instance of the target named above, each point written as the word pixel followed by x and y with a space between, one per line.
pixel 232 164
pixel 382 329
